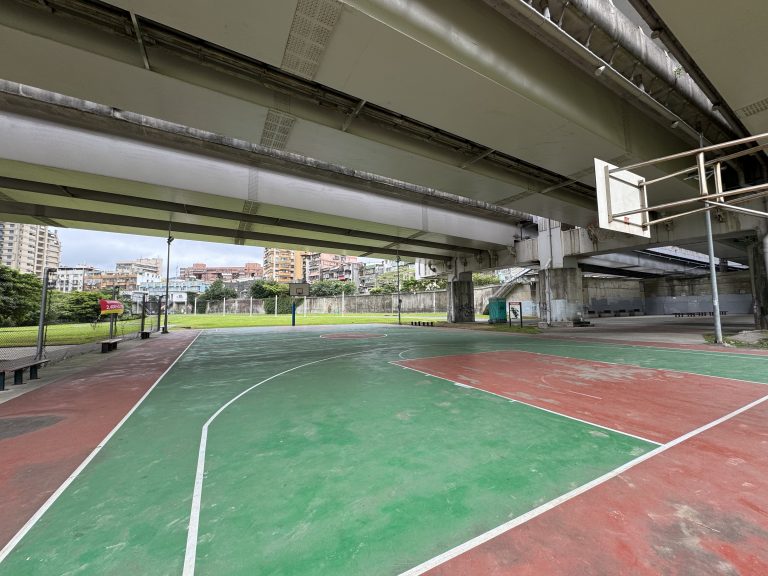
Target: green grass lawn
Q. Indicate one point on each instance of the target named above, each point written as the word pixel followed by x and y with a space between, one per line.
pixel 243 320
pixel 59 334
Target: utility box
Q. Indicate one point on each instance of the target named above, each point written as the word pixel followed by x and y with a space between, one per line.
pixel 497 311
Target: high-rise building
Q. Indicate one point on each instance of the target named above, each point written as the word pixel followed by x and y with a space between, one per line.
pixel 29 248
pixel 282 265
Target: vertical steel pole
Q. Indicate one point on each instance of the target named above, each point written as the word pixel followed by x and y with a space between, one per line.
pixel 398 290
pixel 115 292
pixel 195 312
pixel 251 312
pixel 43 309
pixel 710 248
pixel 143 311
pixel 342 302
pixel 275 304
pixel 167 278
pixel 224 306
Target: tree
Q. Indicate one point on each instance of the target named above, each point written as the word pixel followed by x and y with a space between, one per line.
pixel 77 306
pixel 265 289
pixel 19 297
pixel 216 292
pixel 331 288
pixel 384 288
pixel 479 279
pixel 423 285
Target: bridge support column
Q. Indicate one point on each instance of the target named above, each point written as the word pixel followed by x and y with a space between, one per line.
pixel 561 295
pixel 758 268
pixel 461 298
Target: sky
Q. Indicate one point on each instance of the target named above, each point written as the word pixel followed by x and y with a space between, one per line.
pixel 103 249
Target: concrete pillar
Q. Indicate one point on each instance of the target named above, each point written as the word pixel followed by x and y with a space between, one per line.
pixel 758 268
pixel 561 295
pixel 461 298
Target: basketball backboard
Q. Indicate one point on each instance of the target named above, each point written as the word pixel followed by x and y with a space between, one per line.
pixel 618 192
pixel 298 289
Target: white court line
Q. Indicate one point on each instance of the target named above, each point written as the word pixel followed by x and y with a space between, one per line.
pixel 522 519
pixel 190 555
pixel 60 490
pixel 532 405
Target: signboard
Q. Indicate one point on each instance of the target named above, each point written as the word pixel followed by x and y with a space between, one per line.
pixel 111 306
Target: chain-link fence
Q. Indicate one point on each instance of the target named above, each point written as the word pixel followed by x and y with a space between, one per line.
pixel 62 338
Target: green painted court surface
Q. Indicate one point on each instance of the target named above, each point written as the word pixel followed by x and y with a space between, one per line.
pixel 336 465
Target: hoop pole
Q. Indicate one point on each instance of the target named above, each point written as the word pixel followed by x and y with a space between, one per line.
pixel 711 250
pixel 700 150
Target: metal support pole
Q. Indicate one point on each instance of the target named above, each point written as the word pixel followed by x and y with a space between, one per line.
pixel 293 312
pixel 143 311
pixel 167 278
pixel 399 320
pixel 251 312
pixel 43 308
pixel 342 302
pixel 115 292
pixel 275 304
pixel 224 306
pixel 711 250
pixel 159 310
pixel 195 312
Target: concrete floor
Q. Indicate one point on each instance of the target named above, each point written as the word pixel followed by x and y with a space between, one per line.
pixel 666 329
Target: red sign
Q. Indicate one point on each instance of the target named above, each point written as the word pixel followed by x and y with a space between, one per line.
pixel 111 306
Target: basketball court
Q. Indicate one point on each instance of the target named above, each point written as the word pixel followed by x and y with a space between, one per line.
pixel 390 450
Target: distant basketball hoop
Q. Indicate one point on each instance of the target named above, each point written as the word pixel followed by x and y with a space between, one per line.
pixel 298 289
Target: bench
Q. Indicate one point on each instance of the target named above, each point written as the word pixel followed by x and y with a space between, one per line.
pixel 422 323
pixel 18 371
pixel 145 334
pixel 109 345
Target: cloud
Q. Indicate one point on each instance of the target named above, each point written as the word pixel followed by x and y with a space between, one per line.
pixel 103 249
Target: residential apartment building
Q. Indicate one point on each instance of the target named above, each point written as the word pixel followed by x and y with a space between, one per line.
pixel 125 282
pixel 29 248
pixel 152 266
pixel 323 266
pixel 73 278
pixel 282 265
pixel 200 271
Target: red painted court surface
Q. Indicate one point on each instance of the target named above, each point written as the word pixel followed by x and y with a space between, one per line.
pixel 62 423
pixel 657 405
pixel 341 451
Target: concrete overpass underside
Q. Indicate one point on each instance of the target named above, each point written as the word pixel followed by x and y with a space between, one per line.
pixel 428 130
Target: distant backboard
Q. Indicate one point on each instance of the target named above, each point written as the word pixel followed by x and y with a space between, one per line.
pixel 298 289
pixel 619 192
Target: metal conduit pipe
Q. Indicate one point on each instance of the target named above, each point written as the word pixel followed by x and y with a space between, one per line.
pixel 621 29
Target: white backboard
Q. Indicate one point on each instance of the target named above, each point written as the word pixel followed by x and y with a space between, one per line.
pixel 298 289
pixel 620 192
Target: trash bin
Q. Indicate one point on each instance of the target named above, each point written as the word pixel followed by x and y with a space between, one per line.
pixel 497 310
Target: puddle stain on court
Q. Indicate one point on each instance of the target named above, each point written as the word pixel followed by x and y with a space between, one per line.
pixel 20 425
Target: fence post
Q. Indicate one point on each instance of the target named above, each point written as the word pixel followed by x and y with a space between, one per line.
pixel 342 303
pixel 224 307
pixel 251 313
pixel 115 292
pixel 159 311
pixel 143 311
pixel 275 304
pixel 43 307
pixel 195 312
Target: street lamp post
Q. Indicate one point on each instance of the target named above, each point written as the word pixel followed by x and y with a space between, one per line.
pixel 167 280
